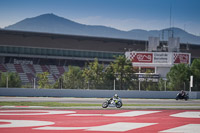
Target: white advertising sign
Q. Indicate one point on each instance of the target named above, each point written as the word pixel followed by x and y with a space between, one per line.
pixel 162 57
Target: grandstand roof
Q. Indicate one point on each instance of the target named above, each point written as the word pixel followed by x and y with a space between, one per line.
pixel 59 41
pixel 75 42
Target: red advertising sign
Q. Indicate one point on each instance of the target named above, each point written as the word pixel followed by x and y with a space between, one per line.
pixel 181 58
pixel 142 57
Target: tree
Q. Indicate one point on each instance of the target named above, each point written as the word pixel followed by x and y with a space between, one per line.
pixel 43 80
pixel 73 78
pixel 93 74
pixel 13 79
pixel 123 70
pixel 195 70
pixel 109 77
pixel 179 76
pixel 161 84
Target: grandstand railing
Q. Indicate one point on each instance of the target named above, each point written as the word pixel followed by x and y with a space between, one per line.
pixel 58 52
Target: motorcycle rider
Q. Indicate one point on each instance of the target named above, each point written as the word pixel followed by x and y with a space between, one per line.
pixel 115 98
pixel 182 93
pixel 114 101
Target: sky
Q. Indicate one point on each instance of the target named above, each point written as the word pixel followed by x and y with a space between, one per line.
pixel 120 14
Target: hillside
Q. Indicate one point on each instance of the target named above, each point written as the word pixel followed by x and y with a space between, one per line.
pixel 51 23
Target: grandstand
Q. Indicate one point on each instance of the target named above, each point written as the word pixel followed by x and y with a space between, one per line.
pixel 29 53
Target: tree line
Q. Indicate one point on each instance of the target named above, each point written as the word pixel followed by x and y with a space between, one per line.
pixel 118 75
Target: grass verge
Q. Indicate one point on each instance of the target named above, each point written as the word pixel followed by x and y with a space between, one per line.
pixel 48 104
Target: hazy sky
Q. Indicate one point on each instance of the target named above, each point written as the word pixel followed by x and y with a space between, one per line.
pixel 120 14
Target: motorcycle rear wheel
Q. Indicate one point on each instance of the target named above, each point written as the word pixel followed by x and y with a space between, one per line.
pixel 119 104
pixel 105 105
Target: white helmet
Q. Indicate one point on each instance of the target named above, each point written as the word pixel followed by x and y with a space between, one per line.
pixel 116 95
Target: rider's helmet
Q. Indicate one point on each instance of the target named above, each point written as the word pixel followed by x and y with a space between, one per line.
pixel 116 95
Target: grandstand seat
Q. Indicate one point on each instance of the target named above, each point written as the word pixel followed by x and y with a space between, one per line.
pixel 55 77
pixel 30 77
pixel 23 77
pixel 27 72
pixel 30 66
pixel 44 68
pixel 3 68
pixel 51 78
pixel 37 68
pixel 19 68
pixel 61 69
pixel 54 69
pixel 11 67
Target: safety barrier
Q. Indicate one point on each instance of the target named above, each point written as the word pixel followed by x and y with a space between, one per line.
pixel 26 92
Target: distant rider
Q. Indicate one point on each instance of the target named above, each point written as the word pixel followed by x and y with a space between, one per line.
pixel 182 93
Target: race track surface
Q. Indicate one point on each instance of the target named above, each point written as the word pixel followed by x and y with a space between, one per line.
pixel 99 121
pixel 144 103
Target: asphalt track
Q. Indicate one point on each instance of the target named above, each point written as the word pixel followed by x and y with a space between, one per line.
pixel 168 116
pixel 99 121
pixel 148 103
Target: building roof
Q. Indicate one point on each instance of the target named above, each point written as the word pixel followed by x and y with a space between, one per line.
pixel 59 41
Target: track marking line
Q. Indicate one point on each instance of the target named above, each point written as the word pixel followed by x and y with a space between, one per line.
pixel 34 112
pixel 132 113
pixel 119 126
pixel 60 128
pixel 189 128
pixel 24 123
pixel 124 114
pixel 187 114
pixel 85 115
pixel 23 107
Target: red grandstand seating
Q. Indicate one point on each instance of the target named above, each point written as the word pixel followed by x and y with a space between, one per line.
pixel 61 69
pixel 19 68
pixel 54 76
pixel 28 72
pixel 30 77
pixel 2 68
pixel 30 66
pixel 44 68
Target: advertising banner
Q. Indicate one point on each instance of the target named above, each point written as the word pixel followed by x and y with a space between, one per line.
pixel 156 58
pixel 162 57
pixel 181 58
pixel 142 57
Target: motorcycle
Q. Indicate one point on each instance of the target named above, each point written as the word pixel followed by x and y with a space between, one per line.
pixel 179 96
pixel 112 103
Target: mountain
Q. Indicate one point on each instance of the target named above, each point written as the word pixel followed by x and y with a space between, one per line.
pixel 51 23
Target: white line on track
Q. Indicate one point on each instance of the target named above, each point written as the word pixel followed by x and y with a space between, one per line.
pixel 132 113
pixel 24 123
pixel 189 128
pixel 119 126
pixel 124 114
pixel 33 112
pixel 187 114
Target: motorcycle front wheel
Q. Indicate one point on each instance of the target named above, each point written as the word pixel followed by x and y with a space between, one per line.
pixel 105 104
pixel 177 98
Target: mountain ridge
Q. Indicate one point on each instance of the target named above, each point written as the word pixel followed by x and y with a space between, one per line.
pixel 52 23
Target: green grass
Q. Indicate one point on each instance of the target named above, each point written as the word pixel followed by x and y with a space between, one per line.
pixel 48 104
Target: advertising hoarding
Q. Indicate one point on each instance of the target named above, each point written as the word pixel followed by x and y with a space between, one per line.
pixel 162 57
pixel 142 57
pixel 153 58
pixel 181 58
